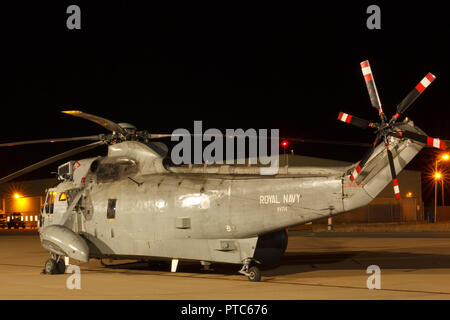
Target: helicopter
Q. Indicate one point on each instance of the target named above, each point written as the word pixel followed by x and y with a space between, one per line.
pixel 132 204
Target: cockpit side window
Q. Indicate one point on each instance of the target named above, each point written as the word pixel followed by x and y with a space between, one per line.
pixel 46 208
pixel 50 202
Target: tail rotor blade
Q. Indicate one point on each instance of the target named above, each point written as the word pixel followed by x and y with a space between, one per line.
pixel 364 160
pixel 432 142
pixel 358 122
pixel 394 175
pixel 372 88
pixel 413 95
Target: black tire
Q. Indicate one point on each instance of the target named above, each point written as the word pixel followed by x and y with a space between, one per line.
pixel 50 266
pixel 61 266
pixel 254 274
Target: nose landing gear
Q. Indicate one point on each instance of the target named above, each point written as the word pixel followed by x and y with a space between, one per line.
pixel 252 272
pixel 55 265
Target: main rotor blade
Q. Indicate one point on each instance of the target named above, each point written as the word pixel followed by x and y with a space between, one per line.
pixel 364 160
pixel 413 95
pixel 50 160
pixel 108 124
pixel 358 122
pixel 303 140
pixel 13 144
pixel 394 175
pixel 170 135
pixel 372 88
pixel 432 142
pixel 334 142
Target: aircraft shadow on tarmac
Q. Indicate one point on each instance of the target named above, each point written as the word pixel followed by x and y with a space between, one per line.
pixel 300 262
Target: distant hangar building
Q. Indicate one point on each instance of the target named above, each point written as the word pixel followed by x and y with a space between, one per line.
pixel 25 197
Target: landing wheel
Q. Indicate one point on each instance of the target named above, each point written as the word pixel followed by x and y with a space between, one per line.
pixel 254 274
pixel 50 267
pixel 61 266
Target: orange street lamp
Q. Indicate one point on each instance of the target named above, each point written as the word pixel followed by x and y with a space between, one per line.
pixel 17 196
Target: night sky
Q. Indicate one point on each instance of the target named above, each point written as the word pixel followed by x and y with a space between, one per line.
pixel 229 64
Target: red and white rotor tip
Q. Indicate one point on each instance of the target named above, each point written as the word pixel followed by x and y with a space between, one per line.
pixel 344 117
pixel 366 71
pixel 396 189
pixel 426 81
pixel 435 142
pixel 355 173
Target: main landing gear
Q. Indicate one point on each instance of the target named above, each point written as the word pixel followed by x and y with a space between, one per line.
pixel 55 265
pixel 252 272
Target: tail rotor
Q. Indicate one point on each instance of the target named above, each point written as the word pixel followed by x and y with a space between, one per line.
pixel 385 128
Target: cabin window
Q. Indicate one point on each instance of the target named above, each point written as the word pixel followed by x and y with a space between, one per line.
pixel 111 210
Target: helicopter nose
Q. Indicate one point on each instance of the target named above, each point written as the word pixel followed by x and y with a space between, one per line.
pixel 63 241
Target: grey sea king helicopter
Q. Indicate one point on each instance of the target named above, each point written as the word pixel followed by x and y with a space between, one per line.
pixel 131 205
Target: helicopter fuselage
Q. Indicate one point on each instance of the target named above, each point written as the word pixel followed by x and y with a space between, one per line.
pixel 162 215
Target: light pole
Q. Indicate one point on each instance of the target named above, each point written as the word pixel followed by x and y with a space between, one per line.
pixel 284 144
pixel 438 176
